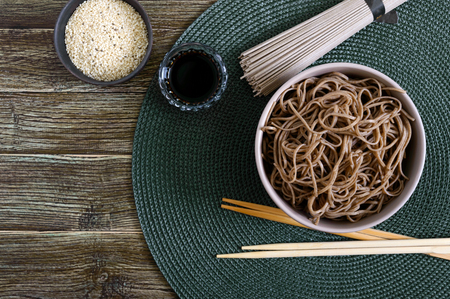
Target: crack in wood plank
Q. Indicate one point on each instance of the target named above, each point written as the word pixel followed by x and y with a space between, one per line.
pixel 68 193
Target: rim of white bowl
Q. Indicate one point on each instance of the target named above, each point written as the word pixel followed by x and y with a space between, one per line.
pixel 390 209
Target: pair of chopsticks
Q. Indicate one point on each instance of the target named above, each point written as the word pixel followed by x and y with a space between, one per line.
pixel 428 246
pixel 375 241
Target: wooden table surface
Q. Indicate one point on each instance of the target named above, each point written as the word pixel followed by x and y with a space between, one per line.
pixel 68 221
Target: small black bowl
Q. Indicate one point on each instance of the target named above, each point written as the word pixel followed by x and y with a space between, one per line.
pixel 60 44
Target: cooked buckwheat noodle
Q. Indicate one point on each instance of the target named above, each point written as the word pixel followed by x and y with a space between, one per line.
pixel 336 145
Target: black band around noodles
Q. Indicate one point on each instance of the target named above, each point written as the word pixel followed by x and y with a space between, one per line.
pixel 377 8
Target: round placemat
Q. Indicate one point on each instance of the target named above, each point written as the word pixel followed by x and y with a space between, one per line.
pixel 185 162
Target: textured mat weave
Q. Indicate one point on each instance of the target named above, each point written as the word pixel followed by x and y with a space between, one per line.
pixel 184 163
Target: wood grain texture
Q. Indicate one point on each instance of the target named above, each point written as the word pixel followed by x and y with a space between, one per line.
pixel 68 123
pixel 69 225
pixel 164 14
pixel 79 265
pixel 67 193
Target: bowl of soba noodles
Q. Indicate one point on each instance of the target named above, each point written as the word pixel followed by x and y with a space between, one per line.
pixel 340 147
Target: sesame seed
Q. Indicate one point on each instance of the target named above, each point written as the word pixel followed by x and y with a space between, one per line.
pixel 84 44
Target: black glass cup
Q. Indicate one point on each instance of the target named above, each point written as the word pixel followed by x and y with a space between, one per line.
pixel 192 76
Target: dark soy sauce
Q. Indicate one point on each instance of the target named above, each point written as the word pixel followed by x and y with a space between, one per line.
pixel 193 77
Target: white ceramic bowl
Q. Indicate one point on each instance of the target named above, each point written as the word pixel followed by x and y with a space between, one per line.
pixel 412 165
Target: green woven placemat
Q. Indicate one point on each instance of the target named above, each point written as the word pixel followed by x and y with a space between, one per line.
pixel 184 163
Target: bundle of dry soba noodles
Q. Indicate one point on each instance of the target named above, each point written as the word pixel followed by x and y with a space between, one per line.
pixel 337 145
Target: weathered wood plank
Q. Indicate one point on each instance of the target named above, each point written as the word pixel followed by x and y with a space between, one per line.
pixel 28 61
pixel 67 193
pixel 79 265
pixel 168 14
pixel 69 226
pixel 68 123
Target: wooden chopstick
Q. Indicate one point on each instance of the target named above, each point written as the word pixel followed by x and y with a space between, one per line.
pixel 351 244
pixel 255 206
pixel 269 212
pixel 275 214
pixel 339 252
pixel 288 220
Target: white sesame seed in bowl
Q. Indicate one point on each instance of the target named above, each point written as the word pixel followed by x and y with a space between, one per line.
pixel 103 41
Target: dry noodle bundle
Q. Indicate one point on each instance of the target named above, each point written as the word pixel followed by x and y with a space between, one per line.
pixel 271 63
pixel 337 145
